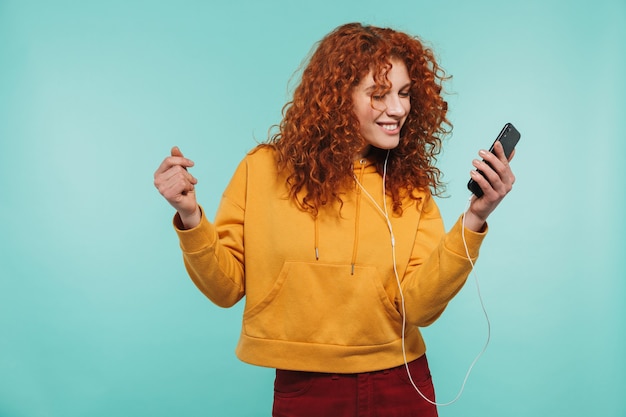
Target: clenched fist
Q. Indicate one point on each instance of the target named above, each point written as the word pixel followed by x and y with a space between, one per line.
pixel 177 186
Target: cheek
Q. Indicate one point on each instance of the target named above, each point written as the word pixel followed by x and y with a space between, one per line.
pixel 364 113
pixel 407 109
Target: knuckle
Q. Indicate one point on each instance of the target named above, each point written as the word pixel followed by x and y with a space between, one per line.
pixel 177 177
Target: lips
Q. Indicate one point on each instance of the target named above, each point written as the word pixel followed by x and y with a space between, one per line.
pixel 392 126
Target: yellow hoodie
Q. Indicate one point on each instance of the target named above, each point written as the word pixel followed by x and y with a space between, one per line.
pixel 321 294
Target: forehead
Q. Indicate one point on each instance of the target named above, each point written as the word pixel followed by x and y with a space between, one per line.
pixel 397 73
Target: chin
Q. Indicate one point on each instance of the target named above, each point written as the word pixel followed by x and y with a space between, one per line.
pixel 389 145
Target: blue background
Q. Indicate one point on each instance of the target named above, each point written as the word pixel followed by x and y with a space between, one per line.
pixel 97 315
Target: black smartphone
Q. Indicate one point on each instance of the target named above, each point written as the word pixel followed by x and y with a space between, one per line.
pixel 509 136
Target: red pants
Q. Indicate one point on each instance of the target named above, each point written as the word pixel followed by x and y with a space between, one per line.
pixel 387 393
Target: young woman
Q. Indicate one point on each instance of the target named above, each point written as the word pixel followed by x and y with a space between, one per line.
pixel 331 232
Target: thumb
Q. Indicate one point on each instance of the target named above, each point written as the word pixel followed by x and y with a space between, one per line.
pixel 176 152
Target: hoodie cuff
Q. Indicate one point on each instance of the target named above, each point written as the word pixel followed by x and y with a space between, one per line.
pixel 454 240
pixel 197 238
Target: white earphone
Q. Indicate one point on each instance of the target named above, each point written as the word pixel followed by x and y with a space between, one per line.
pixel 384 212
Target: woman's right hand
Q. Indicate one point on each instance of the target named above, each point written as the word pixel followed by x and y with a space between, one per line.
pixel 177 186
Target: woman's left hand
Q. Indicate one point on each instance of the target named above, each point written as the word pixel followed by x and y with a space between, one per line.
pixel 497 184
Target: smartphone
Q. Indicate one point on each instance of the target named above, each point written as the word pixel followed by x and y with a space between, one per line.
pixel 509 136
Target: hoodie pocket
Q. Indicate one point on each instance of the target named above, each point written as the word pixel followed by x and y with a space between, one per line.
pixel 325 304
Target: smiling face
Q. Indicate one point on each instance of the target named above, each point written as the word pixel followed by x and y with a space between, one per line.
pixel 381 116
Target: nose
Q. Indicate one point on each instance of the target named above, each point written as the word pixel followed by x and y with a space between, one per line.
pixel 394 106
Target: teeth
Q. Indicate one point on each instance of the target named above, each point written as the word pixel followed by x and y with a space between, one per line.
pixel 390 127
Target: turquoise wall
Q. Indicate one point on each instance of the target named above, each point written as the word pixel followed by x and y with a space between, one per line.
pixel 97 315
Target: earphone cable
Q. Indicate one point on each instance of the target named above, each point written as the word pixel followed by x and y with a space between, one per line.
pixel 384 212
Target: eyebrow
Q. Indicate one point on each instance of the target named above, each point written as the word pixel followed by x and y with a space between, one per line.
pixel 373 87
pixel 370 89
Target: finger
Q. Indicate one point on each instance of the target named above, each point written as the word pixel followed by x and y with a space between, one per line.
pixel 177 155
pixel 175 159
pixel 489 161
pixel 492 172
pixel 498 177
pixel 482 183
pixel 498 151
pixel 500 164
pixel 173 178
pixel 176 151
pixel 486 173
pixel 172 162
pixel 179 190
pixel 512 155
pixel 177 174
pixel 177 184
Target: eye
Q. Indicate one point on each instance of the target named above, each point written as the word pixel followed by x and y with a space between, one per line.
pixel 378 97
pixel 404 94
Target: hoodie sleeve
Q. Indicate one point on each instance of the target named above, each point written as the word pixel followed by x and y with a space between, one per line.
pixel 214 252
pixel 439 266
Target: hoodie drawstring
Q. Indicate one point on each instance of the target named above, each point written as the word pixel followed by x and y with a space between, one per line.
pixel 317 239
pixel 355 245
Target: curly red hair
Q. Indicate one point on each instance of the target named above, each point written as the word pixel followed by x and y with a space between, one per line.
pixel 319 135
